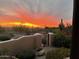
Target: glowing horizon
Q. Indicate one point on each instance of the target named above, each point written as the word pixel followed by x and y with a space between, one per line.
pixel 11 24
pixel 38 23
pixel 36 20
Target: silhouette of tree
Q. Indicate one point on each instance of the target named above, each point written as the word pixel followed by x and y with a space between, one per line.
pixel 61 25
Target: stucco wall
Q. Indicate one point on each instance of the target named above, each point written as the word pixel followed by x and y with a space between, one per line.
pixel 22 43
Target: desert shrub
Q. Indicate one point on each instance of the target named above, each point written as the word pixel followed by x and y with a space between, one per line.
pixel 2 30
pixel 58 53
pixel 21 29
pixel 29 54
pixel 4 37
pixel 67 43
pixel 61 40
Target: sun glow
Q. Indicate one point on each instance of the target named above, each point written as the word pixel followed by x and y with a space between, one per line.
pixel 31 25
pixel 19 24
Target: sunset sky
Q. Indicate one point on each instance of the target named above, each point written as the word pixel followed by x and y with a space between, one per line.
pixel 35 12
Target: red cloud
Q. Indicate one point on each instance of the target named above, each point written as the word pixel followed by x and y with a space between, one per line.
pixel 38 19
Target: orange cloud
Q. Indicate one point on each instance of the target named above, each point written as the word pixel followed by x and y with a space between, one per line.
pixel 30 19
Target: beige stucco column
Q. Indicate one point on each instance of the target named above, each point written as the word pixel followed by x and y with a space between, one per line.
pixel 50 38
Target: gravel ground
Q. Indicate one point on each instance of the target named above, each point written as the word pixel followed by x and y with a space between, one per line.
pixel 41 57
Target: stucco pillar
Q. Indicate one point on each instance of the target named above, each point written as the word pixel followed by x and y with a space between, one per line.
pixel 50 38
